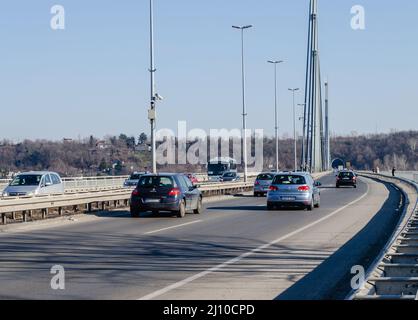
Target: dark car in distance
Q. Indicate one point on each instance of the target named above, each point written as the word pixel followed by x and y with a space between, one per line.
pixel 346 178
pixel 230 177
pixel 165 192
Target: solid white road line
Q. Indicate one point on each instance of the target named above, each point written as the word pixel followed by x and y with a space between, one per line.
pixel 173 227
pixel 245 255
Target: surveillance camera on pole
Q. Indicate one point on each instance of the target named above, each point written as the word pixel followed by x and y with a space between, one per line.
pixel 158 97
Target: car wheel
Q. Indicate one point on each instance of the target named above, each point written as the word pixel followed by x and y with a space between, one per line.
pixel 337 186
pixel 198 210
pixel 355 186
pixel 134 213
pixel 310 206
pixel 181 213
pixel 256 194
pixel 270 207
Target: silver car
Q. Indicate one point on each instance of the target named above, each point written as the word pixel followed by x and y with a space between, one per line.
pixel 133 179
pixel 294 189
pixel 34 183
pixel 262 184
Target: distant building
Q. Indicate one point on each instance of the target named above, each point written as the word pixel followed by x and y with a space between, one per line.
pixel 102 144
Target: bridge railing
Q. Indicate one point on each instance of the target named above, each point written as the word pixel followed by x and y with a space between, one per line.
pixel 74 184
pixel 20 208
pixel 24 208
pixel 93 183
pixel 410 175
pixel 394 274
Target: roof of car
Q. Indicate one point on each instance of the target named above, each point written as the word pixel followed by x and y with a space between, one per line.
pixel 37 172
pixel 295 173
pixel 163 174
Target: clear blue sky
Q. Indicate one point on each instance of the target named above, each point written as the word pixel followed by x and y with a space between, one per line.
pixel 92 78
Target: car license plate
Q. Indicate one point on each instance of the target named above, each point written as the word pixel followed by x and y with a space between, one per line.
pixel 288 198
pixel 152 200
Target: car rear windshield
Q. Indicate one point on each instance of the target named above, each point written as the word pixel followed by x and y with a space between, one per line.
pixel 289 180
pixel 26 180
pixel 346 175
pixel 265 177
pixel 156 182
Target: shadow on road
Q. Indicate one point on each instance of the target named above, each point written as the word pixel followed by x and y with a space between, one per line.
pixel 332 279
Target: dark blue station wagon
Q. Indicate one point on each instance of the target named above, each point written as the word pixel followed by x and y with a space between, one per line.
pixel 165 192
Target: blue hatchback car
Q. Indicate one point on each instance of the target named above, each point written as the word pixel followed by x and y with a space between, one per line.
pixel 295 189
pixel 165 192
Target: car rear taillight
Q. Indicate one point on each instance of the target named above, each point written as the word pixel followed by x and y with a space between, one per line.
pixel 304 189
pixel 135 193
pixel 174 192
pixel 273 188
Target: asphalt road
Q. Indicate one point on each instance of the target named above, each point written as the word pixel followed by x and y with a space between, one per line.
pixel 235 250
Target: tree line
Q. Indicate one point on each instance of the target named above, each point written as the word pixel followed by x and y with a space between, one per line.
pixel 119 155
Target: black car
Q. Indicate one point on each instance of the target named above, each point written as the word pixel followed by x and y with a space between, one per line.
pixel 346 178
pixel 166 192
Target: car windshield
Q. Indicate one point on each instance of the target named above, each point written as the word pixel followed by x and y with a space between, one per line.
pixel 135 176
pixel 217 168
pixel 346 175
pixel 229 175
pixel 26 180
pixel 156 182
pixel 289 180
pixel 265 177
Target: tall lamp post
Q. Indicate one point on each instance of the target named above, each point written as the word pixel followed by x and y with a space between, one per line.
pixel 303 164
pixel 276 125
pixel 152 112
pixel 244 113
pixel 294 127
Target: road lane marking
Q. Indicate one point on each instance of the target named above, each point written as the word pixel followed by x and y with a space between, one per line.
pixel 202 274
pixel 173 227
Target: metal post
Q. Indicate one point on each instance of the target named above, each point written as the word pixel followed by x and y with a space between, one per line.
pixel 276 125
pixel 327 132
pixel 152 111
pixel 244 112
pixel 302 163
pixel 294 128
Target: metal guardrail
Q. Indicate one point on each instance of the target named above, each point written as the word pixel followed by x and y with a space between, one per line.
pixel 410 175
pixel 24 207
pixel 394 275
pixel 80 184
pixel 93 183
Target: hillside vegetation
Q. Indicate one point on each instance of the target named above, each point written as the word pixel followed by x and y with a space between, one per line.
pixel 121 155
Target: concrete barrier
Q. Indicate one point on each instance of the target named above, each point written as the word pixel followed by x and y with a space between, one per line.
pixel 394 274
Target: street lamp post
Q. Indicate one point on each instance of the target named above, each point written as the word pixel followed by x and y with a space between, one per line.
pixel 294 127
pixel 244 113
pixel 276 126
pixel 303 164
pixel 152 112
